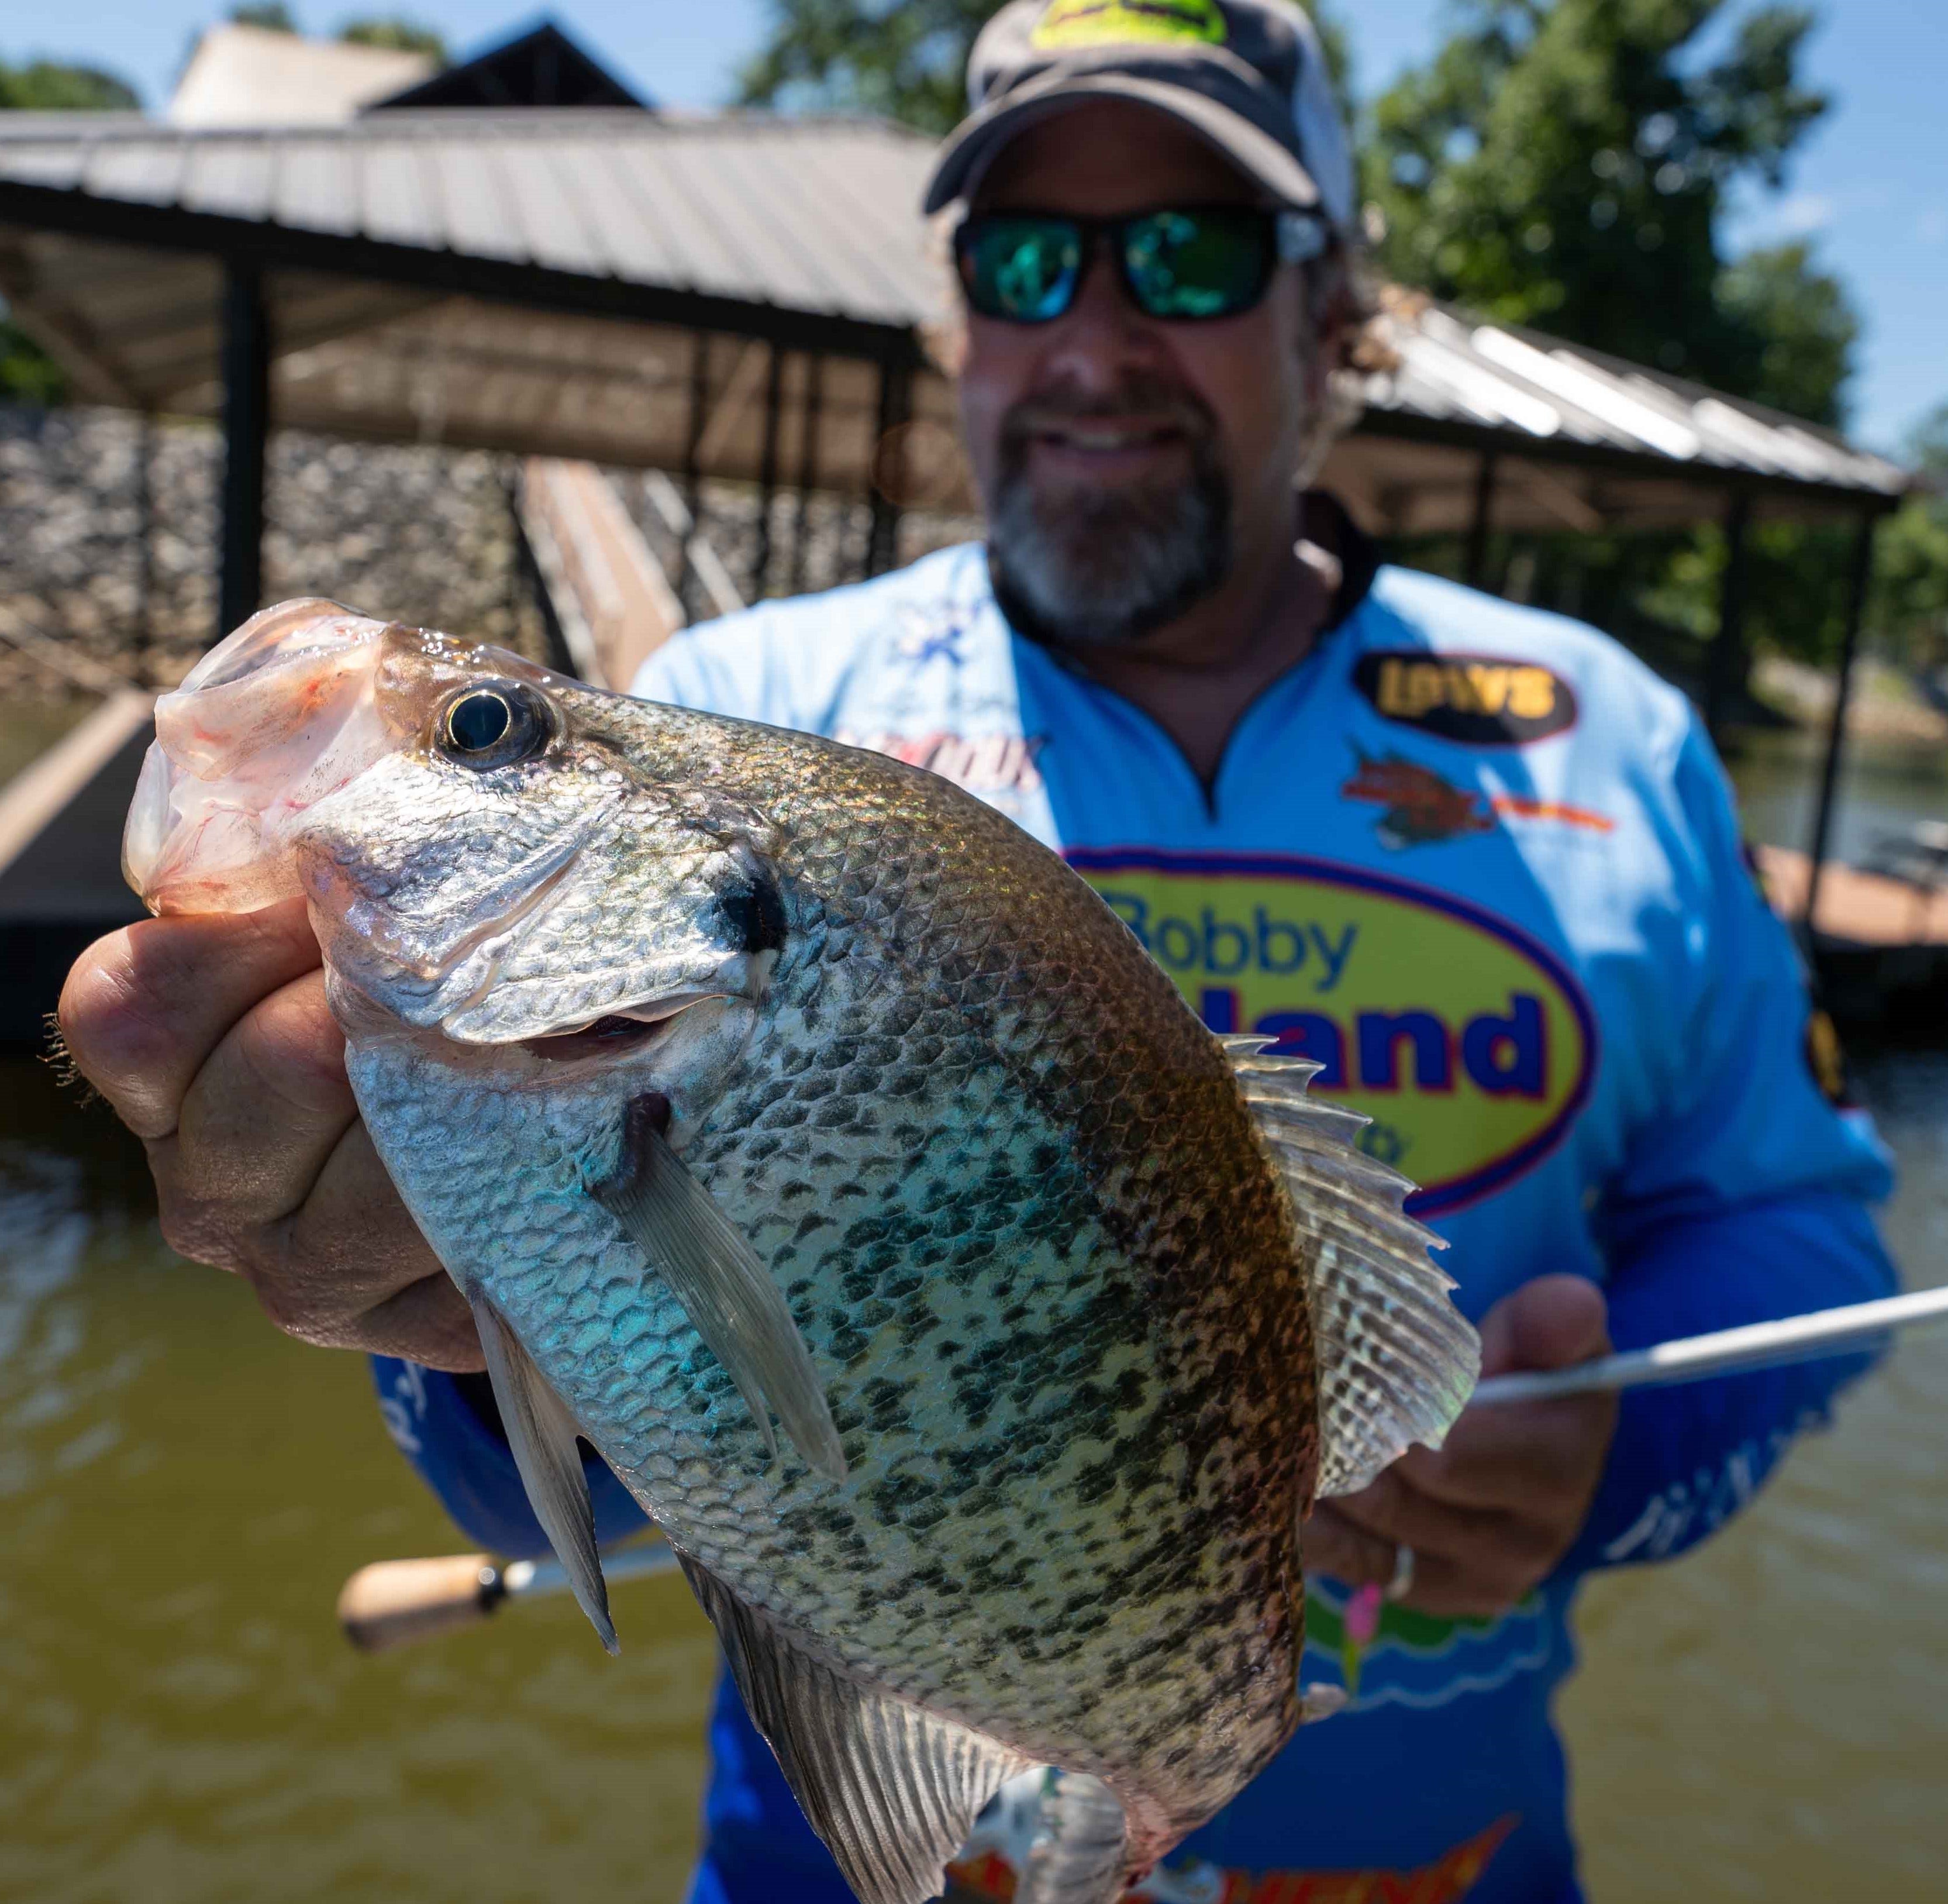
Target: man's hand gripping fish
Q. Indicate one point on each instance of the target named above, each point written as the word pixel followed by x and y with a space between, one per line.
pixel 734 1074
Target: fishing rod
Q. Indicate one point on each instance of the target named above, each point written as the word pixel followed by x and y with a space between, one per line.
pixel 1758 1345
pixel 393 1603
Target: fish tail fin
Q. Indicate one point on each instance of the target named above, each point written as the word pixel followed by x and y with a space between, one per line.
pixel 1081 1856
pixel 1397 1360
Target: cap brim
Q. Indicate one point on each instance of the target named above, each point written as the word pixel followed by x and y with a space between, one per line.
pixel 977 141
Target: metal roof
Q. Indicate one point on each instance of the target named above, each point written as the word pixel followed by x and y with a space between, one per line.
pixel 406 250
pixel 1560 401
pixel 814 216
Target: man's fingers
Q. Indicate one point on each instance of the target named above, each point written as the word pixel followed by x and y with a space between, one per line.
pixel 1390 1510
pixel 428 1321
pixel 1451 1590
pixel 1332 1545
pixel 260 1120
pixel 1553 1322
pixel 144 1008
pixel 1513 1455
pixel 349 1248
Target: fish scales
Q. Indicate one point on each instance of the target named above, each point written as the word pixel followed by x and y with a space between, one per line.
pixel 732 1072
pixel 1045 1265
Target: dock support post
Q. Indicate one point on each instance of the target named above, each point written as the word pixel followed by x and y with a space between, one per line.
pixel 247 421
pixel 882 540
pixel 1829 779
pixel 145 643
pixel 1724 666
pixel 808 467
pixel 767 470
pixel 692 469
pixel 1476 568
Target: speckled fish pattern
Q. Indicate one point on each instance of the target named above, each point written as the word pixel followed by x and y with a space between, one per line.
pixel 1044 1267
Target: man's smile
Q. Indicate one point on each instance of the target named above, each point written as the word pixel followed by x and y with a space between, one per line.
pixel 1106 448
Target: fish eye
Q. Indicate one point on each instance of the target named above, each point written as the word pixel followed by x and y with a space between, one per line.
pixel 494 724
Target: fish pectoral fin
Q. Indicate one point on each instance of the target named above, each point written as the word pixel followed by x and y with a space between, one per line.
pixel 726 1292
pixel 541 1432
pixel 893 1790
pixel 1078 1856
pixel 1397 1360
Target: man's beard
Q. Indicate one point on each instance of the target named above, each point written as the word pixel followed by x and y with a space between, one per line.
pixel 1104 567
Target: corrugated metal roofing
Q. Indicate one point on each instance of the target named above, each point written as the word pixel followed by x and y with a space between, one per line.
pixel 819 217
pixel 1535 387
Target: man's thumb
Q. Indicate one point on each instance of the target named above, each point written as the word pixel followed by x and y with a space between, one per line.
pixel 1549 1323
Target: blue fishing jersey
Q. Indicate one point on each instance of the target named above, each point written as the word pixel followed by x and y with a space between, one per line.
pixel 1484 867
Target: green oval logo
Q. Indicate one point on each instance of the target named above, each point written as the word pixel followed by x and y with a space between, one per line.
pixel 1468 1044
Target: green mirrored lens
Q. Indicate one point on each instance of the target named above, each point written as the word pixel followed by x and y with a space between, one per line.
pixel 1022 268
pixel 1197 264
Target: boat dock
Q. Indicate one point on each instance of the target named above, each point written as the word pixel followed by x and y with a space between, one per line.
pixel 1879 943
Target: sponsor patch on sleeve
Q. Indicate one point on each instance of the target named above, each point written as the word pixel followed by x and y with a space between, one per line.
pixel 1482 700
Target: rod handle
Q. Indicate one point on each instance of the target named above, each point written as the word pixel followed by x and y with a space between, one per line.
pixel 394 1603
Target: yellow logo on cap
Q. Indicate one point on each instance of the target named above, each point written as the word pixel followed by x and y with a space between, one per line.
pixel 1094 23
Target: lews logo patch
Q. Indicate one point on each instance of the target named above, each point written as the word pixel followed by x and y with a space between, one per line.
pixel 1097 23
pixel 1467 1042
pixel 1483 699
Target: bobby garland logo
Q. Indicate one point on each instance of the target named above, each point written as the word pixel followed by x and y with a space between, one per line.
pixel 1467 1042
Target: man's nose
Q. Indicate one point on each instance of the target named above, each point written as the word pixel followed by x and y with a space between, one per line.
pixel 1096 343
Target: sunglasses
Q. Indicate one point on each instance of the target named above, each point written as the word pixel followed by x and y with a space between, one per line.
pixel 1195 262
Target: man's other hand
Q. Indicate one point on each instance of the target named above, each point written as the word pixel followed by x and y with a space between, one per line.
pixel 1491 1513
pixel 211 1037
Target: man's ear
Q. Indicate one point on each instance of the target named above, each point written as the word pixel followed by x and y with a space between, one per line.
pixel 1331 314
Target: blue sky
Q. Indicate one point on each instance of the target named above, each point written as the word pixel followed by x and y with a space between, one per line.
pixel 1870 189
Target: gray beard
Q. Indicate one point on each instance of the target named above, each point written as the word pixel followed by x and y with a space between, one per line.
pixel 1106 568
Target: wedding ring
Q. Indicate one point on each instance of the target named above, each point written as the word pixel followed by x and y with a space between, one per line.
pixel 1401 1584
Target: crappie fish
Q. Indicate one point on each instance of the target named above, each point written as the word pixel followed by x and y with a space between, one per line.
pixel 732 1074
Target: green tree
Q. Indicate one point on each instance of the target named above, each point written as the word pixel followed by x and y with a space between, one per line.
pixel 396 34
pixel 27 374
pixel 904 60
pixel 1908 613
pixel 1803 327
pixel 56 86
pixel 271 16
pixel 1563 163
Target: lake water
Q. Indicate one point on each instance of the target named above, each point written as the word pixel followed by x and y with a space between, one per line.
pixel 182 1492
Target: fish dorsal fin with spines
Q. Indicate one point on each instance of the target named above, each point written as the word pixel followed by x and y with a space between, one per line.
pixel 893 1790
pixel 1397 1360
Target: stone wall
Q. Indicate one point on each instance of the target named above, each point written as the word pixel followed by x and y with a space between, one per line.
pixel 417 534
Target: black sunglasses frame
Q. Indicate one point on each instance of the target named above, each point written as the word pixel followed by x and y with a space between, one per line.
pixel 1291 237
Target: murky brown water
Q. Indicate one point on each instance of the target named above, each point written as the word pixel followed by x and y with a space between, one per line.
pixel 182 1492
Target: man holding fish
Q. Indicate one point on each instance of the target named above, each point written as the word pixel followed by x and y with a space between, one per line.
pixel 1473 862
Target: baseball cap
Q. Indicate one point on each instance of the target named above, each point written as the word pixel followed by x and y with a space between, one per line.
pixel 1247 76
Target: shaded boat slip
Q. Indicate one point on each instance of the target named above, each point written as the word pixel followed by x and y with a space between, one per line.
pixel 1880 944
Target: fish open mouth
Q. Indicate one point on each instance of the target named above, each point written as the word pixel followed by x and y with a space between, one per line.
pixel 617 1032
